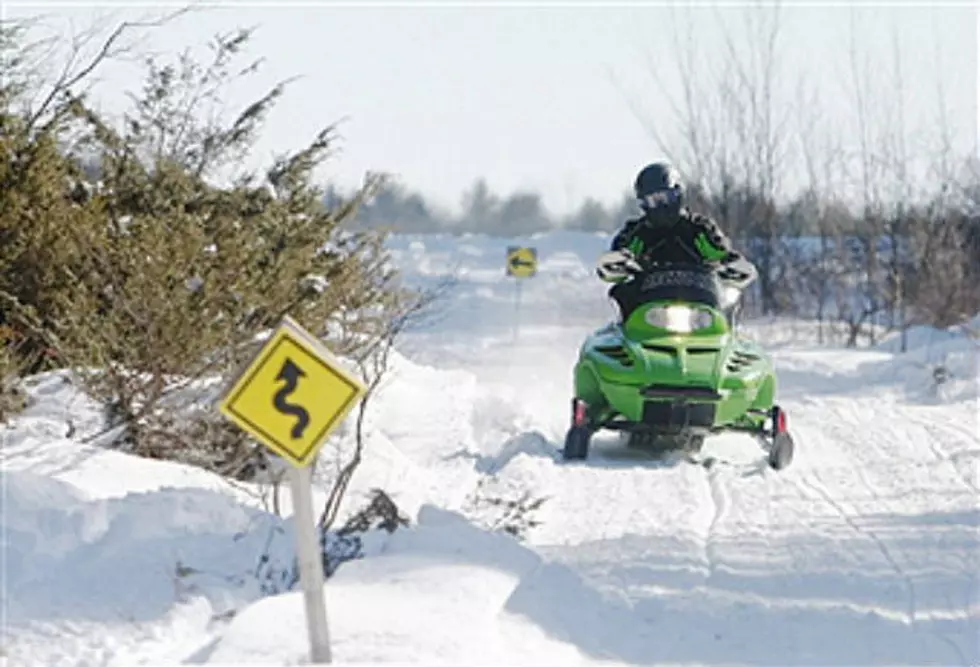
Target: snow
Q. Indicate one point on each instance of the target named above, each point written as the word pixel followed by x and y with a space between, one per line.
pixel 865 551
pixel 445 569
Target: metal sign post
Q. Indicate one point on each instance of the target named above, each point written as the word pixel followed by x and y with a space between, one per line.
pixel 522 263
pixel 310 564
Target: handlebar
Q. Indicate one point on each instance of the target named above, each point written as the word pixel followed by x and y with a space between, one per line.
pixel 740 272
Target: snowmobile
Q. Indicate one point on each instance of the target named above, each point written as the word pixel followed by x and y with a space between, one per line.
pixel 671 370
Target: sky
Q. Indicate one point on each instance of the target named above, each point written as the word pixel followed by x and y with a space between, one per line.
pixel 547 98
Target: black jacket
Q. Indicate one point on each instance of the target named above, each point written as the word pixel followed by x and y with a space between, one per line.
pixel 694 238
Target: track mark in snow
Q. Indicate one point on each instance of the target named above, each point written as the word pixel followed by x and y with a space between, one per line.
pixel 931 575
pixel 968 448
pixel 812 483
pixel 719 501
pixel 529 443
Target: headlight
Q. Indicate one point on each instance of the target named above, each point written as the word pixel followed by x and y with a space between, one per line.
pixel 680 319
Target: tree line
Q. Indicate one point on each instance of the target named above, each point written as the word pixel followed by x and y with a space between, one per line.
pixel 482 211
pixel 884 231
pixel 887 266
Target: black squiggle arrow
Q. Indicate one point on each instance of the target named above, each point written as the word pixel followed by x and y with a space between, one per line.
pixel 291 373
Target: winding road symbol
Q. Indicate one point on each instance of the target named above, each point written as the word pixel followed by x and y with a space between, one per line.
pixel 291 373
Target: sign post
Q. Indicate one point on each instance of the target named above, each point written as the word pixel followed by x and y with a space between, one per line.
pixel 310 565
pixel 522 263
pixel 290 398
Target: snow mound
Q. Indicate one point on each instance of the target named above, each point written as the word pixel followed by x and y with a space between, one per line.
pixel 953 352
pixel 115 559
pixel 526 444
pixel 442 593
pixel 116 570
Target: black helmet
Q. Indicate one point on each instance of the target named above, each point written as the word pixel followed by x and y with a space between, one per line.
pixel 658 189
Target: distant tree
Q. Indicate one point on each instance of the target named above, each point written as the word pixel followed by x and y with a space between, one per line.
pixel 626 209
pixel 944 272
pixel 869 121
pixel 481 209
pixel 591 216
pixel 522 214
pixel 395 208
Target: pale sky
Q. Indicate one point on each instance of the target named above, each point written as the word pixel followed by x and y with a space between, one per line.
pixel 525 96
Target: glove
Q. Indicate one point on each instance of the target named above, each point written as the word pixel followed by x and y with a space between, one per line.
pixel 730 274
pixel 617 265
pixel 739 273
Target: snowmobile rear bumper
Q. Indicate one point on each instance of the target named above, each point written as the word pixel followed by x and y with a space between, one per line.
pixel 669 417
pixel 681 392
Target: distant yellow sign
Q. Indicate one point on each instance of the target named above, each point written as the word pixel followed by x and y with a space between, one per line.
pixel 522 262
pixel 292 395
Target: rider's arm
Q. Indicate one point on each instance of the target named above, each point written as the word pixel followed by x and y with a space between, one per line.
pixel 716 248
pixel 711 242
pixel 624 236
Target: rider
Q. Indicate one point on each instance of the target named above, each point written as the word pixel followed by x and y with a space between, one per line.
pixel 667 232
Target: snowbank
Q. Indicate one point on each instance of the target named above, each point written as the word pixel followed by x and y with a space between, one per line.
pixel 148 569
pixel 438 595
pixel 114 559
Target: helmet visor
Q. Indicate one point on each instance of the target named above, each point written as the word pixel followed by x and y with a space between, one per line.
pixel 659 199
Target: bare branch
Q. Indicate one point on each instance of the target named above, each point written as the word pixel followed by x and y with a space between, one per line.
pixel 71 76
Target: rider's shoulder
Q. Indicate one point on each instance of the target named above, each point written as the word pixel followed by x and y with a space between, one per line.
pixel 696 218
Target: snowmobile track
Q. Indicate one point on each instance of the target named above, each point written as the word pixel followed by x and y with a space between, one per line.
pixel 719 499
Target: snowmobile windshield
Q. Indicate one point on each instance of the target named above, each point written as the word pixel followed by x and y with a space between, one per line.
pixel 694 284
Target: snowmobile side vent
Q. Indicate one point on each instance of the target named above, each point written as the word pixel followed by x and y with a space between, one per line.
pixel 702 350
pixel 616 352
pixel 680 391
pixel 740 360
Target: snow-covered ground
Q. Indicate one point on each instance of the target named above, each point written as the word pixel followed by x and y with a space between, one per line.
pixel 865 552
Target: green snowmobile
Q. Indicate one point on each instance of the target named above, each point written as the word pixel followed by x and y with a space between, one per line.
pixel 672 370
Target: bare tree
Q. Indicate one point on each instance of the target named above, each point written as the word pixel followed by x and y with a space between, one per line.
pixel 938 272
pixel 759 113
pixel 870 167
pixel 732 130
pixel 697 138
pixel 896 157
pixel 820 153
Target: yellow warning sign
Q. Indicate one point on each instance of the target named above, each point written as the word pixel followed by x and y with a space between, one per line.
pixel 292 395
pixel 522 262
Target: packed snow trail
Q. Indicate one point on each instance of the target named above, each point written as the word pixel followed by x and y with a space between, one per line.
pixel 865 551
